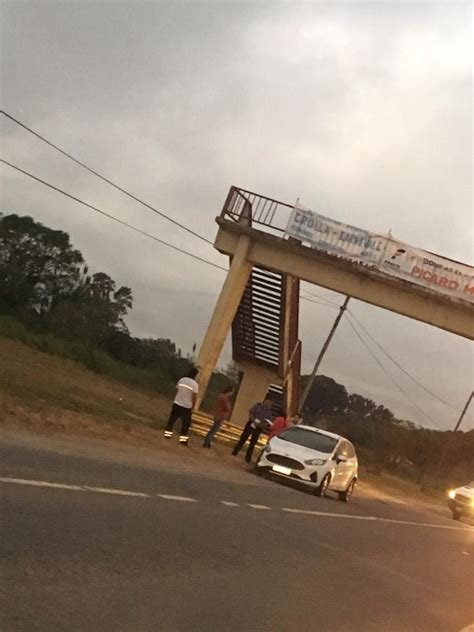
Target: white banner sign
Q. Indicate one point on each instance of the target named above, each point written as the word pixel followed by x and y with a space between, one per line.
pixel 432 271
pixel 383 253
pixel 335 237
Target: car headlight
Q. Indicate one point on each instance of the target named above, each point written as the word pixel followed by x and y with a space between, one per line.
pixel 316 462
pixel 452 493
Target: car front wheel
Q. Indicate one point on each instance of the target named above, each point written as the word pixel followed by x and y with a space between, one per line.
pixel 456 515
pixel 347 493
pixel 322 489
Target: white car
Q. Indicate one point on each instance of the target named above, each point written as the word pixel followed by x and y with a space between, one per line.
pixel 461 501
pixel 316 458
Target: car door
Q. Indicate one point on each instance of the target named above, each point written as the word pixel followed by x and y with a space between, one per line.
pixel 351 469
pixel 338 480
pixel 345 470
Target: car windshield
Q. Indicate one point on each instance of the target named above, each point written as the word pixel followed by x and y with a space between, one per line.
pixel 309 439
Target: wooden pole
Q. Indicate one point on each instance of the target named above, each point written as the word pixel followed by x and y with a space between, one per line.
pixel 322 353
pixel 446 448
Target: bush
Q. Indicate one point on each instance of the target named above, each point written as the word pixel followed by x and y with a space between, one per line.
pixel 152 378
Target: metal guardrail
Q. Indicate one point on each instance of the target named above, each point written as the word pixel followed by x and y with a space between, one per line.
pixel 228 433
pixel 252 208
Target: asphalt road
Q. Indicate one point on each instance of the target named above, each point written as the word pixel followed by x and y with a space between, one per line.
pixel 127 547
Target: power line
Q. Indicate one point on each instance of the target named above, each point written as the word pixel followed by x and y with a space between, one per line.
pixel 214 265
pixel 319 296
pixel 407 373
pixel 113 184
pixel 310 300
pixel 112 217
pixel 326 303
pixel 392 378
pixel 381 365
pixel 426 389
pixel 127 225
pixel 322 353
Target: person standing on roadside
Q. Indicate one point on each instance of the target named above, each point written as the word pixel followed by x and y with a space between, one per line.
pixel 184 402
pixel 260 418
pixel 221 414
pixel 282 423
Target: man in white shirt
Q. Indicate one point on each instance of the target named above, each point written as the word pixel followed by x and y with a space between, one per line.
pixel 184 402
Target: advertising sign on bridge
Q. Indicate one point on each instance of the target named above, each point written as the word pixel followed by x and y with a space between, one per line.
pixel 382 253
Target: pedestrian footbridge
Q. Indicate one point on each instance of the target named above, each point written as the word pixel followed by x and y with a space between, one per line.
pixel 273 245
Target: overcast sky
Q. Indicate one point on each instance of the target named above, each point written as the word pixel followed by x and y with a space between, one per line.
pixel 362 110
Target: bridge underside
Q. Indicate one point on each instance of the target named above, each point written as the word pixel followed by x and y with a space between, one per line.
pixel 288 256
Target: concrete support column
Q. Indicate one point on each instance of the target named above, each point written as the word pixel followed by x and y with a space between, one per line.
pixel 253 388
pixel 291 349
pixel 292 384
pixel 224 312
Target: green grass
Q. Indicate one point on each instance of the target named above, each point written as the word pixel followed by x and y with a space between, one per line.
pixel 92 358
pixel 155 379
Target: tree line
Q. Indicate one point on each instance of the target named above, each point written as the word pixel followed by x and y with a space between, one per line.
pixel 389 443
pixel 46 284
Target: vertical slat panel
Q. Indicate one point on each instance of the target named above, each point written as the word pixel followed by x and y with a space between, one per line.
pixel 258 330
pixel 257 327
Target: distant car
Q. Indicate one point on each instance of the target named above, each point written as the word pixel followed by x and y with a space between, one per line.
pixel 313 457
pixel 461 501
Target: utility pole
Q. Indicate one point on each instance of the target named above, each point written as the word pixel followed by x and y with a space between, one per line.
pixel 322 353
pixel 447 446
pixel 464 411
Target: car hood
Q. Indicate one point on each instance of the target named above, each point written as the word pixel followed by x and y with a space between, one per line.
pixel 465 491
pixel 296 451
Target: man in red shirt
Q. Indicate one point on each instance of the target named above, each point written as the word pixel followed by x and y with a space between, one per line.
pixel 221 414
pixel 282 423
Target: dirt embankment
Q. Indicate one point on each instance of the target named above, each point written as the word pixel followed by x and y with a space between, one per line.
pixel 46 393
pixel 46 401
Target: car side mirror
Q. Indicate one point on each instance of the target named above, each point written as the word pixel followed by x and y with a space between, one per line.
pixel 341 459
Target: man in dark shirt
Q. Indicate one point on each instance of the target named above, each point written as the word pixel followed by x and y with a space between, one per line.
pixel 260 417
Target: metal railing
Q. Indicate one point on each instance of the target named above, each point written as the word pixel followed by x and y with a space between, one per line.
pixel 252 208
pixel 228 433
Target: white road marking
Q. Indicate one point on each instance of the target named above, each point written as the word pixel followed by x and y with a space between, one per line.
pixel 430 525
pixel 375 518
pixel 183 499
pixel 228 503
pixel 32 483
pixel 309 512
pixel 117 492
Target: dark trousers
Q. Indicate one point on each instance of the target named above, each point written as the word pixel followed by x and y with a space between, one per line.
pixel 254 434
pixel 216 426
pixel 179 412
